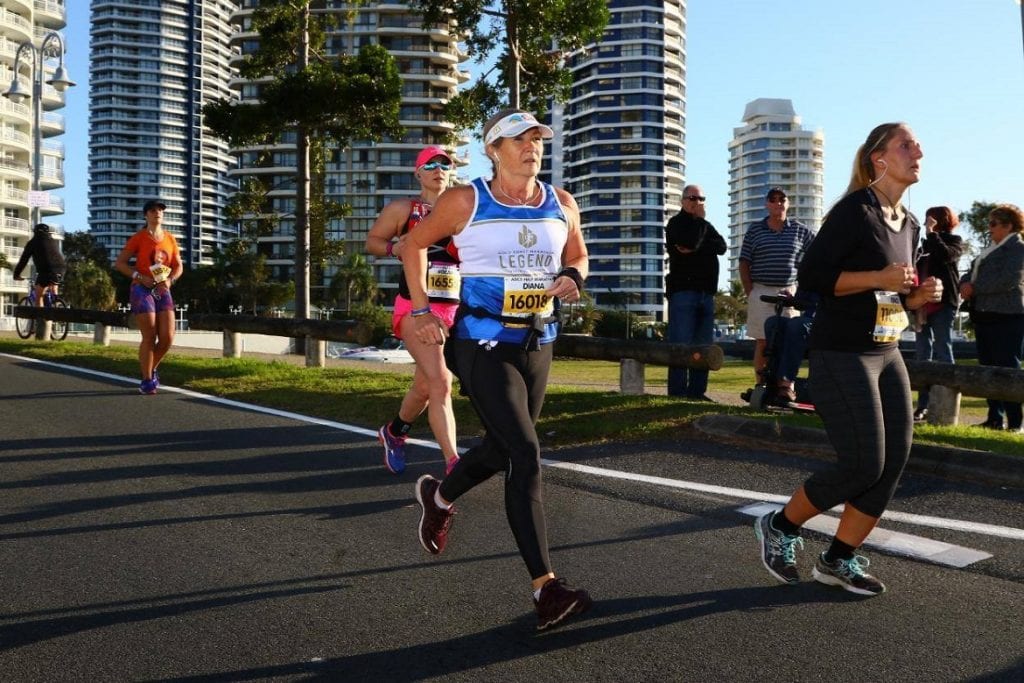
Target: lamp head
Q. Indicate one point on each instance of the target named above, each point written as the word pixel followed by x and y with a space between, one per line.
pixel 60 80
pixel 17 93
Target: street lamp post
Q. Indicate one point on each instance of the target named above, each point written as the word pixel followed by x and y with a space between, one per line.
pixel 17 94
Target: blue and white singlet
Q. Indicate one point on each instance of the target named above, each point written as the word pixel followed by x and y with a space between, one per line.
pixel 509 256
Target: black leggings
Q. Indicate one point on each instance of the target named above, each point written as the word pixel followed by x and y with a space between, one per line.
pixel 506 386
pixel 864 401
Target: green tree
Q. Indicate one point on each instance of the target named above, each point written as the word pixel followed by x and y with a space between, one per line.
pixel 354 280
pixel 976 218
pixel 309 94
pixel 88 284
pixel 731 306
pixel 528 41
pixel 82 246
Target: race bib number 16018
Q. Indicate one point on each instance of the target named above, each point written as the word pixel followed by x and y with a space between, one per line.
pixel 525 296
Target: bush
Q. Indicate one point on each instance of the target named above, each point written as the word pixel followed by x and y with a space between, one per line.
pixel 377 317
pixel 613 324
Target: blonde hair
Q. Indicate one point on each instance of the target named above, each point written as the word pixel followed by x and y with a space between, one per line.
pixel 863 170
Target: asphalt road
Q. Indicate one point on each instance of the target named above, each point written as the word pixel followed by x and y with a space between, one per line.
pixel 172 537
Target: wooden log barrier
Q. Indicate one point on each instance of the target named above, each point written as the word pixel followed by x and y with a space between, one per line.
pixel 707 357
pixel 352 331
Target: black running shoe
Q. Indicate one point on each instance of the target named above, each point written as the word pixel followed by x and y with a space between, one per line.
pixel 435 522
pixel 848 574
pixel 558 602
pixel 778 550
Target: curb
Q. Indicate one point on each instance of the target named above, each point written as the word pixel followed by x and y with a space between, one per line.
pixel 942 461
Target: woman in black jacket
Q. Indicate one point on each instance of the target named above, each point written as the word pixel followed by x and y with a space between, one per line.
pixel 940 256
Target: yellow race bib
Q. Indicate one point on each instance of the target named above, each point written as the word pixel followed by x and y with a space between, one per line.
pixel 890 317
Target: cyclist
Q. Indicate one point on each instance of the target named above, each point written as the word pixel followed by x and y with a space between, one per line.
pixel 46 258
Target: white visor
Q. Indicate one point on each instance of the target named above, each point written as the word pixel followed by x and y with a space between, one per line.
pixel 514 124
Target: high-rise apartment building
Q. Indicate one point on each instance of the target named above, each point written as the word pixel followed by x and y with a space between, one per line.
pixel 154 64
pixel 27 23
pixel 622 148
pixel 772 149
pixel 367 175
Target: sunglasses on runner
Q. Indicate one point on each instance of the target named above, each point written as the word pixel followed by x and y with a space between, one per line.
pixel 432 165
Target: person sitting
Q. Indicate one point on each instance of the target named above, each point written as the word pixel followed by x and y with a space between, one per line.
pixel 789 337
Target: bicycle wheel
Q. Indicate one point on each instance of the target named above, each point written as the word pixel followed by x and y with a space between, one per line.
pixel 59 329
pixel 25 327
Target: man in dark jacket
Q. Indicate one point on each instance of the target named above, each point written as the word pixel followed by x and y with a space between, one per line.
pixel 693 247
pixel 47 259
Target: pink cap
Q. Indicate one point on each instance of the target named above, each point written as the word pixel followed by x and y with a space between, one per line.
pixel 429 153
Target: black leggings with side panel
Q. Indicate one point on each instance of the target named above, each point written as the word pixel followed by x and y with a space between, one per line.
pixel 506 386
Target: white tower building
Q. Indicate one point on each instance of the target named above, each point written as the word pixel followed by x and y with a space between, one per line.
pixel 772 149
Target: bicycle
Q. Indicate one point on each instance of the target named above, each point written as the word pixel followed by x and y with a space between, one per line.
pixel 26 327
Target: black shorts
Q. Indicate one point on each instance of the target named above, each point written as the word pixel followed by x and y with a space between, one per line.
pixel 47 279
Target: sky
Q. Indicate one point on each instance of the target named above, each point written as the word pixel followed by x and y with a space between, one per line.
pixel 952 69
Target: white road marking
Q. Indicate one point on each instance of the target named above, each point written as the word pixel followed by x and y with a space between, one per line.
pixel 933 553
pixel 746 494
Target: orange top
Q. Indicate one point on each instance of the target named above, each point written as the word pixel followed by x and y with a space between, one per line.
pixel 149 252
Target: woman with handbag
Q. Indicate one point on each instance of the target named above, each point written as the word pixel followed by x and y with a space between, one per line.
pixel 940 256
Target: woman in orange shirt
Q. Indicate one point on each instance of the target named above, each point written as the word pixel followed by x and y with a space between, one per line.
pixel 157 267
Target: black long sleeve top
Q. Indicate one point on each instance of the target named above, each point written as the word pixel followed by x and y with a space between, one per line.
pixel 940 258
pixel 696 271
pixel 45 254
pixel 854 237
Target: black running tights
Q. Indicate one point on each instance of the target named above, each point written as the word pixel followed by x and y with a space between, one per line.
pixel 506 386
pixel 865 402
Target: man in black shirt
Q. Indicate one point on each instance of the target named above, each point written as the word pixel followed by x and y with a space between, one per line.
pixel 47 259
pixel 693 247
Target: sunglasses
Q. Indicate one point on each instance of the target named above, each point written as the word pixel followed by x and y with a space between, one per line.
pixel 433 165
pixel 696 198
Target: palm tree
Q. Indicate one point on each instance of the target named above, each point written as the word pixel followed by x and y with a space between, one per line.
pixel 355 279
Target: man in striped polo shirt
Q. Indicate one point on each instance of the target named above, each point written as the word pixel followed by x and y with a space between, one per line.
pixel 772 250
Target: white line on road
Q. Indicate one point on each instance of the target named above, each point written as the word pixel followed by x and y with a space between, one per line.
pixel 743 494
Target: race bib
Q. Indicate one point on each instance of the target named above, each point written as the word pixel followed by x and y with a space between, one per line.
pixel 159 273
pixel 890 317
pixel 524 296
pixel 443 281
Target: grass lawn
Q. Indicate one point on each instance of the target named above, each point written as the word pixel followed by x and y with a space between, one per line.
pixel 582 406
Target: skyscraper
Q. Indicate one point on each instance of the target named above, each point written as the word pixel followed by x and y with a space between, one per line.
pixel 622 152
pixel 367 175
pixel 23 22
pixel 154 64
pixel 772 149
